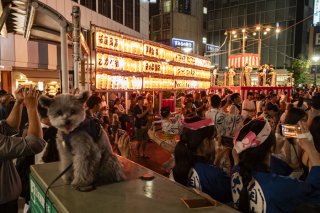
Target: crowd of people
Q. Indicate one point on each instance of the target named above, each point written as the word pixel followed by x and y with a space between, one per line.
pixel 234 150
pixel 240 153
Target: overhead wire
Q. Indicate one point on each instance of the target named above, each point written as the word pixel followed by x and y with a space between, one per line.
pixel 267 37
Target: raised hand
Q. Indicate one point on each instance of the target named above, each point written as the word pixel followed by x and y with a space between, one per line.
pixel 19 94
pixel 31 96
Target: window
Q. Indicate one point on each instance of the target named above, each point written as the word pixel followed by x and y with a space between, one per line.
pixel 271 5
pixel 217 14
pixel 251 19
pixel 137 15
pixel 166 6
pixel 291 3
pixel 225 23
pixel 226 13
pixel 292 13
pixel 166 21
pixel 104 8
pixel 281 4
pixel 118 11
pixel 129 13
pixel 251 8
pixel 204 40
pixel 156 23
pixel 166 34
pixel 209 36
pixel 205 10
pixel 210 5
pixel 89 4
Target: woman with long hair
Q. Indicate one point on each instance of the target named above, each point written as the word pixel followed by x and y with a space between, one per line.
pixel 194 154
pixel 255 188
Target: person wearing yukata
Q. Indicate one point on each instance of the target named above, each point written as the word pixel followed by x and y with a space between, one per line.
pixel 193 167
pixel 231 74
pixel 255 188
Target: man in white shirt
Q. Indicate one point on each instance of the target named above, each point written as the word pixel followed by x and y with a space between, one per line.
pixel 248 107
pixel 226 124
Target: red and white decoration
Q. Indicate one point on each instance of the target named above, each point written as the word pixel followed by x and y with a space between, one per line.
pixel 240 60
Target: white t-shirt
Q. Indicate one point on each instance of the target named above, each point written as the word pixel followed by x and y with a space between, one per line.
pixel 250 106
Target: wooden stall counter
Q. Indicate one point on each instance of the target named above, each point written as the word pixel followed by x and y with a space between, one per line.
pixel 133 195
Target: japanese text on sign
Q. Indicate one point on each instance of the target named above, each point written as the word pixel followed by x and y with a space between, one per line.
pixel 180 43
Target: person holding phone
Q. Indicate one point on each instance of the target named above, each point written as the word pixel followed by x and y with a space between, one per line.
pixel 255 188
pixel 14 147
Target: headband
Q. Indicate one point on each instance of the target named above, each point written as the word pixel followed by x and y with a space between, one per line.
pixel 251 139
pixel 198 124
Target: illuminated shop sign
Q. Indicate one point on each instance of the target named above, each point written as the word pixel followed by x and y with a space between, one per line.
pixel 181 43
pixel 212 48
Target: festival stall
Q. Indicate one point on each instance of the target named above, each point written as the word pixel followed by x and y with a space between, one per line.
pixel 125 63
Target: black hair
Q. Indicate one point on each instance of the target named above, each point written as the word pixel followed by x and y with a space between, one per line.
pixel 294 116
pixel 316 101
pixel 300 101
pixel 272 107
pixel 234 96
pixel 203 93
pixel 314 130
pixel 140 98
pixel 185 151
pixel 165 112
pixel 215 101
pixel 116 100
pixel 252 159
pixel 93 101
pixel 250 93
pixel 3 92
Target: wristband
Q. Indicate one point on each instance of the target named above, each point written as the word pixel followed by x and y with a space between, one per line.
pixel 306 135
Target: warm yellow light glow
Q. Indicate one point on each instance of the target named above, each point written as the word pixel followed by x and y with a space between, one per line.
pixel 235 36
pixel 268 29
pixel 258 28
pixel 254 33
pixel 233 32
pixel 265 33
pixel 243 30
pixel 277 30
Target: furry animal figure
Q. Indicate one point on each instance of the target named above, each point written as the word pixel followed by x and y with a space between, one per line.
pixel 81 140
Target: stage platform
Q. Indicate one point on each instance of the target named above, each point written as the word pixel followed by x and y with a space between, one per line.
pixel 243 90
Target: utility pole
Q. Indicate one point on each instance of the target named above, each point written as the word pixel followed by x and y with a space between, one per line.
pixel 76 15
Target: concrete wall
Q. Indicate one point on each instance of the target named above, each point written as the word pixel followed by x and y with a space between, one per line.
pixel 65 8
pixel 18 52
pixel 190 27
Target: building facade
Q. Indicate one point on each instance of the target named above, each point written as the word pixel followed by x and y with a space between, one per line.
pixel 276 48
pixel 38 62
pixel 179 23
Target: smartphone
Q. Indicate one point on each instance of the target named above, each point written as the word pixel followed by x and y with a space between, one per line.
pixel 290 131
pixel 198 203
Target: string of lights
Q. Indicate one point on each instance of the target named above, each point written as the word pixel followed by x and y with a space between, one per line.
pixel 278 30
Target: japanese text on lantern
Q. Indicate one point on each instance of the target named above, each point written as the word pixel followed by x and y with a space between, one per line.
pixel 109 62
pixel 153 51
pixel 109 41
pixel 152 67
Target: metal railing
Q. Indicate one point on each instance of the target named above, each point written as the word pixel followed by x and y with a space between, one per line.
pixel 251 79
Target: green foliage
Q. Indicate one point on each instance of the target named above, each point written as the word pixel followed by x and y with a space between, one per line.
pixel 300 69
